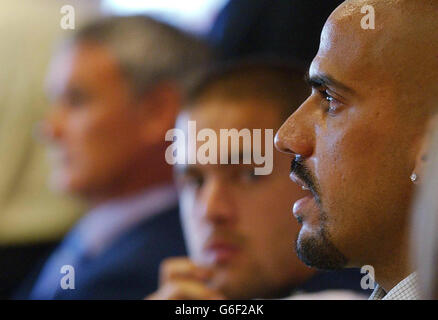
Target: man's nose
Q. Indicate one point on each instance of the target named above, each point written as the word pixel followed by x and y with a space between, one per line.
pixel 51 128
pixel 296 135
pixel 219 205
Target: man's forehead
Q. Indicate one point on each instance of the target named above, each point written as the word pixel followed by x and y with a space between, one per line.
pixel 348 53
pixel 343 33
pixel 82 61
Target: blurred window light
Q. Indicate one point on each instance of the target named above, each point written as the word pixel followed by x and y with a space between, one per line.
pixel 191 15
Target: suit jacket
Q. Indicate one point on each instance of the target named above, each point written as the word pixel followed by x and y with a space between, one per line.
pixel 17 262
pixel 128 269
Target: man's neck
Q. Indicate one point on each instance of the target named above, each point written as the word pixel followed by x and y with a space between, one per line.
pixel 394 268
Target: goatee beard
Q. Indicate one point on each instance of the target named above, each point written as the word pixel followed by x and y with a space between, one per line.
pixel 319 252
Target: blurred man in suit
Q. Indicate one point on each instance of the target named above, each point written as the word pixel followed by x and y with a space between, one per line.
pixel 26 203
pixel 356 140
pixel 116 89
pixel 237 224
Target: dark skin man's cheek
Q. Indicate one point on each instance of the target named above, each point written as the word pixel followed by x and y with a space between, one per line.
pixel 349 160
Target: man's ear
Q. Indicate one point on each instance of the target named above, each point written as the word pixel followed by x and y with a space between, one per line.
pixel 423 154
pixel 160 106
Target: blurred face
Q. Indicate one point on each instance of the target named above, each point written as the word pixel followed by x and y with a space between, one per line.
pixel 355 141
pixel 93 129
pixel 234 221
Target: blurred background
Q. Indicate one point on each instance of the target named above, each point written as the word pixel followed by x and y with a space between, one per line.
pixel 29 32
pixel 32 218
pixel 195 16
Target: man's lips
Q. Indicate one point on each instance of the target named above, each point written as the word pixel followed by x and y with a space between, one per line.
pixel 304 209
pixel 299 181
pixel 222 251
pixel 301 204
pixel 299 207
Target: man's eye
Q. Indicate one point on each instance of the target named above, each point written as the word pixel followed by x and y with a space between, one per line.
pixel 196 181
pixel 328 97
pixel 76 98
pixel 331 104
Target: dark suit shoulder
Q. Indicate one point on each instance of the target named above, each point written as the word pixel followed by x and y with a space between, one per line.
pixel 129 268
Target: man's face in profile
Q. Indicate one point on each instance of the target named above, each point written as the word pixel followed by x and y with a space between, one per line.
pixel 236 222
pixel 93 129
pixel 355 139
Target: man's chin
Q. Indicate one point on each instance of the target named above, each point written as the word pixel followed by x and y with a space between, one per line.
pixel 317 251
pixel 69 185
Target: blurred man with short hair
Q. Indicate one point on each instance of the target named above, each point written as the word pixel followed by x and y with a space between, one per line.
pixel 116 88
pixel 238 224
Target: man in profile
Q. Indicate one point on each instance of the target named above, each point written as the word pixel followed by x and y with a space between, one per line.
pixel 356 141
pixel 237 224
pixel 116 90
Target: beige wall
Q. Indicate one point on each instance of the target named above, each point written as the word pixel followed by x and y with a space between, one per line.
pixel 28 32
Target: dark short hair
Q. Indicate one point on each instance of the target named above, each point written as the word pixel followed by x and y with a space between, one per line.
pixel 279 81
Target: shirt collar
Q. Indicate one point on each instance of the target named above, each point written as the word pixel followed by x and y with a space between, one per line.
pixel 407 289
pixel 103 224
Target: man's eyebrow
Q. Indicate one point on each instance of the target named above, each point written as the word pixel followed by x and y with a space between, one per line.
pixel 324 80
